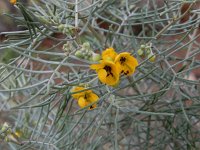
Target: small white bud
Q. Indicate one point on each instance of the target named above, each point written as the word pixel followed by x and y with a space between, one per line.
pixel 96 57
pixel 79 54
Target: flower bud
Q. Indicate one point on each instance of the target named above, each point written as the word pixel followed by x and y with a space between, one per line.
pixel 61 27
pixel 140 52
pixel 86 45
pixel 86 57
pixel 152 57
pixel 148 47
pixel 65 29
pixel 96 57
pixel 83 52
pixel 143 47
pixel 90 53
pixel 87 51
pixel 67 47
pixel 5 127
pixel 148 51
pixel 79 54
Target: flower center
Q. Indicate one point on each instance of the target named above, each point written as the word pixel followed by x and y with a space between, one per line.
pixel 86 96
pixel 91 107
pixel 122 60
pixel 125 72
pixel 108 70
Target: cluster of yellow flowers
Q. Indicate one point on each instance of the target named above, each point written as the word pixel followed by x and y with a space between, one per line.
pixel 112 65
pixel 109 69
pixel 85 97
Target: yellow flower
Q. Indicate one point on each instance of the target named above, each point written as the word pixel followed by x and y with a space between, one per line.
pixel 109 54
pixel 85 98
pixel 13 2
pixel 107 72
pixel 126 63
pixel 79 94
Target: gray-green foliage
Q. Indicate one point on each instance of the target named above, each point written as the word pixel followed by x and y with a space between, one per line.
pixel 156 108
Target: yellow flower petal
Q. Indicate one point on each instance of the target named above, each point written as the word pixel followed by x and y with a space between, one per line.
pixel 96 66
pixel 128 70
pixel 79 94
pixel 112 80
pixel 126 63
pixel 13 2
pixel 109 54
pixel 102 74
pixel 82 102
pixel 133 61
pixel 93 97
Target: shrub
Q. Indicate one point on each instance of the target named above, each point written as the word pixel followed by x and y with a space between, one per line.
pixel 102 74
